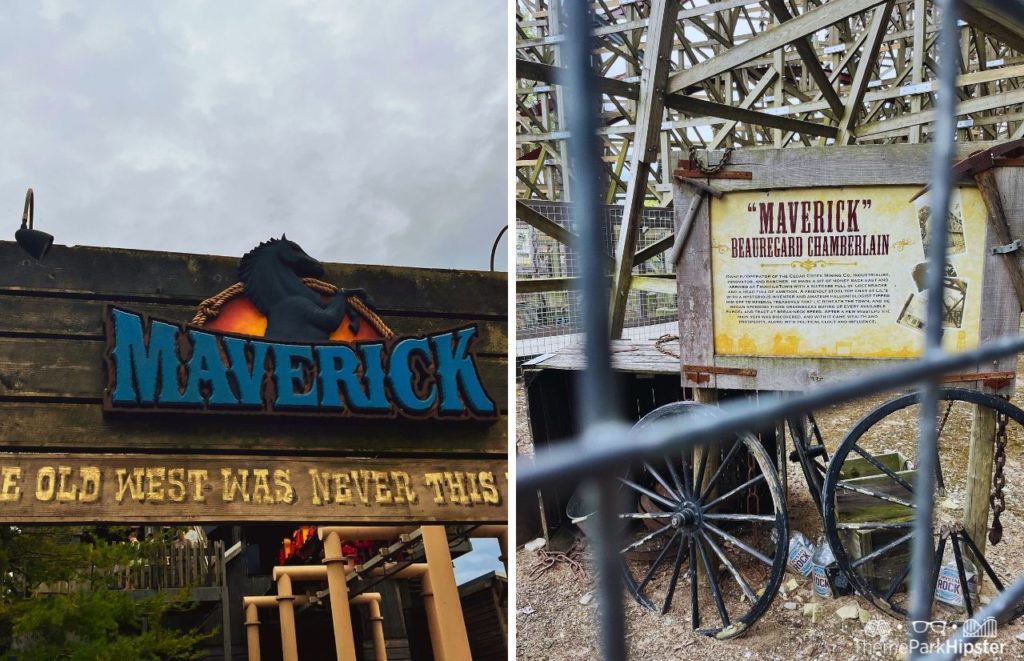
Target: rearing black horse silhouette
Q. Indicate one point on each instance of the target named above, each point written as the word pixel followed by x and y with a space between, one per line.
pixel 272 274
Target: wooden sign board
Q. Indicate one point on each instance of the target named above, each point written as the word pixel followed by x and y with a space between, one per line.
pixel 839 272
pixel 137 488
pixel 812 271
pixel 69 458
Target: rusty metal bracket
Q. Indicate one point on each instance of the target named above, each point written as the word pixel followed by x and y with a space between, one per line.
pixel 995 380
pixel 1008 248
pixel 711 369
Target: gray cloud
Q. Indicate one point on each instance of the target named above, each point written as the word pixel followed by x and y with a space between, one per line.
pixel 369 132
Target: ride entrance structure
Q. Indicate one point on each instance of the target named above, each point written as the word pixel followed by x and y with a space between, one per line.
pixel 257 401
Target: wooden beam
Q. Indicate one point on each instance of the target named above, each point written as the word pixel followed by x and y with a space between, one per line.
pixel 865 68
pixel 680 102
pixel 752 96
pixel 765 42
pixel 810 59
pixel 967 107
pixel 657 285
pixel 694 106
pixel 997 221
pixel 82 487
pixel 1001 26
pixel 656 248
pixel 645 145
pixel 536 219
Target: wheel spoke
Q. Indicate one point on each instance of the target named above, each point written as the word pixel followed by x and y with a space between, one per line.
pixel 650 494
pixel 882 467
pixel 882 549
pixel 694 606
pixel 688 471
pixel 732 569
pixel 721 499
pixel 896 584
pixel 740 517
pixel 874 494
pixel 713 581
pixel 880 525
pixel 680 488
pixel 664 484
pixel 645 515
pixel 646 538
pixel 672 582
pixel 721 467
pixel 962 574
pixel 738 544
pixel 980 557
pixel 940 482
pixel 657 561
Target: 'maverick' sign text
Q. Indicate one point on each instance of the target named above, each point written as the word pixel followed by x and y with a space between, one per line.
pixel 155 364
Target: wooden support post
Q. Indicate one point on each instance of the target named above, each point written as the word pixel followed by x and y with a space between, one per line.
pixel 979 479
pixel 221 566
pixel 433 618
pixel 372 600
pixel 989 190
pixel 707 396
pixel 252 632
pixel 650 108
pixel 286 612
pixel 453 639
pixel 341 618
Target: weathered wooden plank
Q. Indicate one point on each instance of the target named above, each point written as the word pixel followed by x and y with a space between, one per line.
pixel 90 488
pixel 648 115
pixel 856 165
pixel 57 368
pixel 627 356
pixel 52 426
pixel 83 318
pixel 693 277
pixel 778 36
pixel 116 274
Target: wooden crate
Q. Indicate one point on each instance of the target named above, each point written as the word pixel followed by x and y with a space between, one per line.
pixel 852 507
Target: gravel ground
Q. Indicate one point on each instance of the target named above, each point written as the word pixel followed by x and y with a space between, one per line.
pixel 556 607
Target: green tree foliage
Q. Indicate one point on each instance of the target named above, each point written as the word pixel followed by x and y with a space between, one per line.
pixel 60 599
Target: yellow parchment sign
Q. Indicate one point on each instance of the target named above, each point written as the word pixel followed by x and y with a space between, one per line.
pixel 840 272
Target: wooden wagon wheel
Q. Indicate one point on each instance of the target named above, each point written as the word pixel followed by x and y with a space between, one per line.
pixel 868 502
pixel 693 511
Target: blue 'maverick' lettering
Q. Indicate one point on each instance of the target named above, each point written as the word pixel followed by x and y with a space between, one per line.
pixel 457 372
pixel 429 376
pixel 144 372
pixel 249 379
pixel 339 367
pixel 291 382
pixel 206 366
pixel 401 375
pixel 373 375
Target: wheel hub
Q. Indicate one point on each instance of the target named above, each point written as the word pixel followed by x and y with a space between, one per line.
pixel 686 517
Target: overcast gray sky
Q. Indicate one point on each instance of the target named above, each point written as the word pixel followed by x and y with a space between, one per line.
pixel 370 132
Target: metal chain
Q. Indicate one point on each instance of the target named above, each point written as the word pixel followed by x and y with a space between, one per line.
pixel 998 500
pixel 660 343
pixel 695 161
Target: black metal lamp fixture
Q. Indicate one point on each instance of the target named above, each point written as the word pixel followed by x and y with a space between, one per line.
pixel 35 242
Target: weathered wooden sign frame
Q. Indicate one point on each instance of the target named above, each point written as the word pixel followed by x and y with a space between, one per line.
pixel 874 165
pixel 53 376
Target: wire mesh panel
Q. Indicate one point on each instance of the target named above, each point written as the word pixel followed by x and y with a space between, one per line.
pixel 549 320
